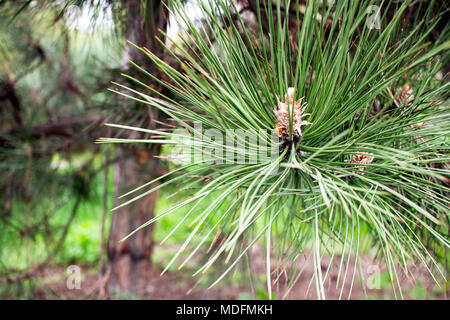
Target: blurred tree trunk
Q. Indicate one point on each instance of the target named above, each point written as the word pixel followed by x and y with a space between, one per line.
pixel 129 261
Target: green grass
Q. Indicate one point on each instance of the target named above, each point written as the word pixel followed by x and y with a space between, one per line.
pixel 83 238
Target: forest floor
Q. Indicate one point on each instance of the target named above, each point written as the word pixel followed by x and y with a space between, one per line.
pixel 52 283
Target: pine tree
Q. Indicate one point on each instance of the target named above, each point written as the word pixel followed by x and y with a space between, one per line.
pixel 358 105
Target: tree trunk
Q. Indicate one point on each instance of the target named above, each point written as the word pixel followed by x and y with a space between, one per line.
pixel 129 261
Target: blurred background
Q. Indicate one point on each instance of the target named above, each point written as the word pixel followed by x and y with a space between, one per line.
pixel 58 236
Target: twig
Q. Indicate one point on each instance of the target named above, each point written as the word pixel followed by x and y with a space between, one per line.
pixel 102 229
pixel 58 246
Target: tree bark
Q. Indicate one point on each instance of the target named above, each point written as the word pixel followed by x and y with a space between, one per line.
pixel 129 261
